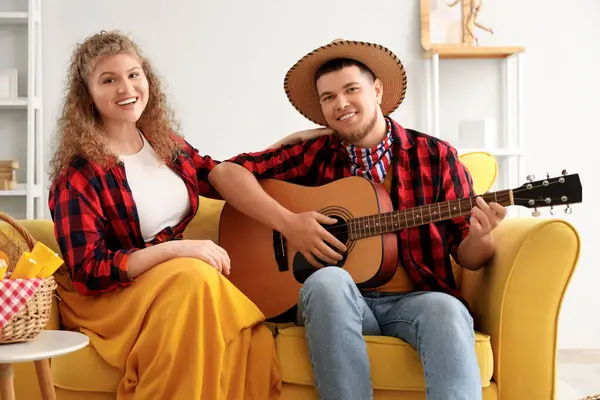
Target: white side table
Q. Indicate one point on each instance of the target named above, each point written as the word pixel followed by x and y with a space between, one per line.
pixel 47 345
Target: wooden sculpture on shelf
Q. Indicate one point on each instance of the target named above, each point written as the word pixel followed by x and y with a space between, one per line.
pixel 470 13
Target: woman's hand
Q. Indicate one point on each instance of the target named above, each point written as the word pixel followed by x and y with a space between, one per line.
pixel 205 250
pixel 301 136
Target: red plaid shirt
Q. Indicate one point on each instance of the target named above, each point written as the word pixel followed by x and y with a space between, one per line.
pixel 429 171
pixel 96 223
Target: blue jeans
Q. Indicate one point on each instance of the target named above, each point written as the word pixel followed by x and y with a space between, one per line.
pixel 336 316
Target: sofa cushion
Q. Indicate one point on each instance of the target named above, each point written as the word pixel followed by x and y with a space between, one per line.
pixel 395 365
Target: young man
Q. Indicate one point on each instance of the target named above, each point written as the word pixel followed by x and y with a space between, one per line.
pixel 352 87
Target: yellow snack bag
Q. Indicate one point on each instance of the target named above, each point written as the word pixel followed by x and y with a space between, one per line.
pixel 27 267
pixel 49 260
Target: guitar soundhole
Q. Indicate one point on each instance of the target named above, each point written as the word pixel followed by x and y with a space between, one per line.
pixel 303 269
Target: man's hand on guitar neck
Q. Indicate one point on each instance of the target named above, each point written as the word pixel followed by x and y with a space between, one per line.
pixel 485 217
pixel 479 246
pixel 305 232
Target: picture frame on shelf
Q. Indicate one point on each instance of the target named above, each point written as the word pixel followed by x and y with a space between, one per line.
pixel 451 23
pixel 9 84
pixel 440 24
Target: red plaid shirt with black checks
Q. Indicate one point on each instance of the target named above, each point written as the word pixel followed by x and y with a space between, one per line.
pixel 428 171
pixel 96 223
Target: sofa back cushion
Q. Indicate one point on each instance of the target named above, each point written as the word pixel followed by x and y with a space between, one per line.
pixel 205 225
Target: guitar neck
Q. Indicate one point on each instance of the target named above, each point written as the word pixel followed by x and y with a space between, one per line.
pixel 378 224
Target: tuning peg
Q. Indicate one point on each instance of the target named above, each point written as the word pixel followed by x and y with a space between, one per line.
pixel 564 172
pixel 530 177
pixel 536 213
pixel 568 210
pixel 547 175
pixel 551 210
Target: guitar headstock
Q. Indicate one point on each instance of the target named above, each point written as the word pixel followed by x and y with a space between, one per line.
pixel 562 190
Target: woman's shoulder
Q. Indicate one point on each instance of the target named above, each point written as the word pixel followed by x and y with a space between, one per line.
pixel 81 175
pixel 184 149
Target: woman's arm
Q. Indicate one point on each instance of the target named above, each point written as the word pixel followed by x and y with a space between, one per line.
pixel 142 260
pixel 201 165
pixel 79 227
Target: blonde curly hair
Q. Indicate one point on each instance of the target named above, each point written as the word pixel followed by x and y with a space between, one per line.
pixel 80 131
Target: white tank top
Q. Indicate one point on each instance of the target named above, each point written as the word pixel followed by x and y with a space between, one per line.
pixel 160 194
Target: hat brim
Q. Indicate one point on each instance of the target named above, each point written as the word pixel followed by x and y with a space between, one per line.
pixel 299 81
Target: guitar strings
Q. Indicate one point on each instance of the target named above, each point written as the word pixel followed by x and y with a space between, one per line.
pixel 403 217
pixel 347 228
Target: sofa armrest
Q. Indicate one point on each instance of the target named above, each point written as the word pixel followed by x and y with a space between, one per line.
pixel 516 300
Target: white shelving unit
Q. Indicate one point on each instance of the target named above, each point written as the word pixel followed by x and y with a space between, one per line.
pixel 30 107
pixel 19 104
pixel 14 17
pixel 511 155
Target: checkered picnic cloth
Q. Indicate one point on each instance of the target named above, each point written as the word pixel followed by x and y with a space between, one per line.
pixel 14 294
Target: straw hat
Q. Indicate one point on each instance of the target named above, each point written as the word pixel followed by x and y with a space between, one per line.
pixel 299 82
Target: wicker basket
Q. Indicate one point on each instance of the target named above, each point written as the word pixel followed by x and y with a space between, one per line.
pixel 29 322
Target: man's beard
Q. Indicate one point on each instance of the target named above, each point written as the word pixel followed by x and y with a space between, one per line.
pixel 360 132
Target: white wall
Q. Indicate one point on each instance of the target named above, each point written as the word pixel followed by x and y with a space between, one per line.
pixel 224 62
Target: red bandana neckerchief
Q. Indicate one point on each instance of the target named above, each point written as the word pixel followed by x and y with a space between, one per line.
pixel 372 163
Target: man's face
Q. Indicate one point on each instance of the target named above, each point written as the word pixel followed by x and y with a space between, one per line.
pixel 350 102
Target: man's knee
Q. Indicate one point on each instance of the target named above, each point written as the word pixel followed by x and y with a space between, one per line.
pixel 446 311
pixel 329 279
pixel 329 285
pixel 329 294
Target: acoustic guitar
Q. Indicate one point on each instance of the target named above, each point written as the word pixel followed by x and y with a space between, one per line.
pixel 270 272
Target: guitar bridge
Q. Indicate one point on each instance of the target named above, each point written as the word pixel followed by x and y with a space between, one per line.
pixel 279 250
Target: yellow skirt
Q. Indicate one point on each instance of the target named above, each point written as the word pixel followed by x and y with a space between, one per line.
pixel 180 331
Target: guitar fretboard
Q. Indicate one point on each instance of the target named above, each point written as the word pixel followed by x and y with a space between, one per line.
pixel 378 224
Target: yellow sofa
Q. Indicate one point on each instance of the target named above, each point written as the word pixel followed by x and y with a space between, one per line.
pixel 516 298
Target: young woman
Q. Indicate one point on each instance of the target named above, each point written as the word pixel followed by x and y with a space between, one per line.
pixel 124 187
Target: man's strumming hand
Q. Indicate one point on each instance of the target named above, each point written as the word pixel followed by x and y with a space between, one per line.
pixel 305 232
